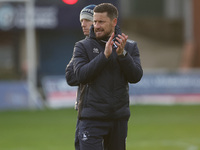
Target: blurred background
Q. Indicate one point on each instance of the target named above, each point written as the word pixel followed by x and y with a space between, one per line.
pixel 37 40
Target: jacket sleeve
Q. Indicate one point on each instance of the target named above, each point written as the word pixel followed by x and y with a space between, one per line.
pixel 70 75
pixel 85 69
pixel 130 64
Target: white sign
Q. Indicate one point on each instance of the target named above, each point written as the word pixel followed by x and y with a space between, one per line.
pixel 58 93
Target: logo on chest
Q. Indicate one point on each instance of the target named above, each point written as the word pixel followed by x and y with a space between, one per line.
pixel 96 50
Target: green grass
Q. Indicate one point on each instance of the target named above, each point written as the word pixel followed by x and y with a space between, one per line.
pixel 164 128
pixel 150 128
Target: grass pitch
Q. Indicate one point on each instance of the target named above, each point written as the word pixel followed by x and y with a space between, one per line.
pixel 150 128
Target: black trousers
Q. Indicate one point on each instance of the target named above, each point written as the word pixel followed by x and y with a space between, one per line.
pixel 102 135
pixel 76 142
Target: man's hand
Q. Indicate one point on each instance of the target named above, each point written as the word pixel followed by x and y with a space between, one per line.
pixel 109 45
pixel 121 43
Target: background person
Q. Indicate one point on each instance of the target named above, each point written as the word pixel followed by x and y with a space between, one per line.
pixel 86 19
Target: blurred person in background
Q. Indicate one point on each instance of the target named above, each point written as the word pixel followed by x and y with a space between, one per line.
pixel 105 63
pixel 86 19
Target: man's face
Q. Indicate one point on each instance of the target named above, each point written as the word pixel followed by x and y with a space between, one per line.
pixel 103 25
pixel 85 24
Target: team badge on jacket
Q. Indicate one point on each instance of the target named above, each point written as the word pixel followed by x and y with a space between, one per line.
pixel 96 50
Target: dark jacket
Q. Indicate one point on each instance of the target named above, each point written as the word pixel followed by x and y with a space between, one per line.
pixel 72 80
pixel 106 94
pixel 70 75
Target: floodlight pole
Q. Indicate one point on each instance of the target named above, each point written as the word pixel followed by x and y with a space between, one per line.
pixel 31 53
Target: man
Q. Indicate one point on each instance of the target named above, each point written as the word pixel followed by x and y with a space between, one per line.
pixel 86 19
pixel 105 63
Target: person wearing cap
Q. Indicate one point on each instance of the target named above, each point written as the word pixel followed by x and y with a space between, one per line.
pixel 106 63
pixel 86 20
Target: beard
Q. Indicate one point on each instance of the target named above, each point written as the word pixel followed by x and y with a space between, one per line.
pixel 104 36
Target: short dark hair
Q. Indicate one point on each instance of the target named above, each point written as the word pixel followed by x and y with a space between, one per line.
pixel 111 10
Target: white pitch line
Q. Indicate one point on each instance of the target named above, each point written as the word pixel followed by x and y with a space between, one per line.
pixel 184 145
